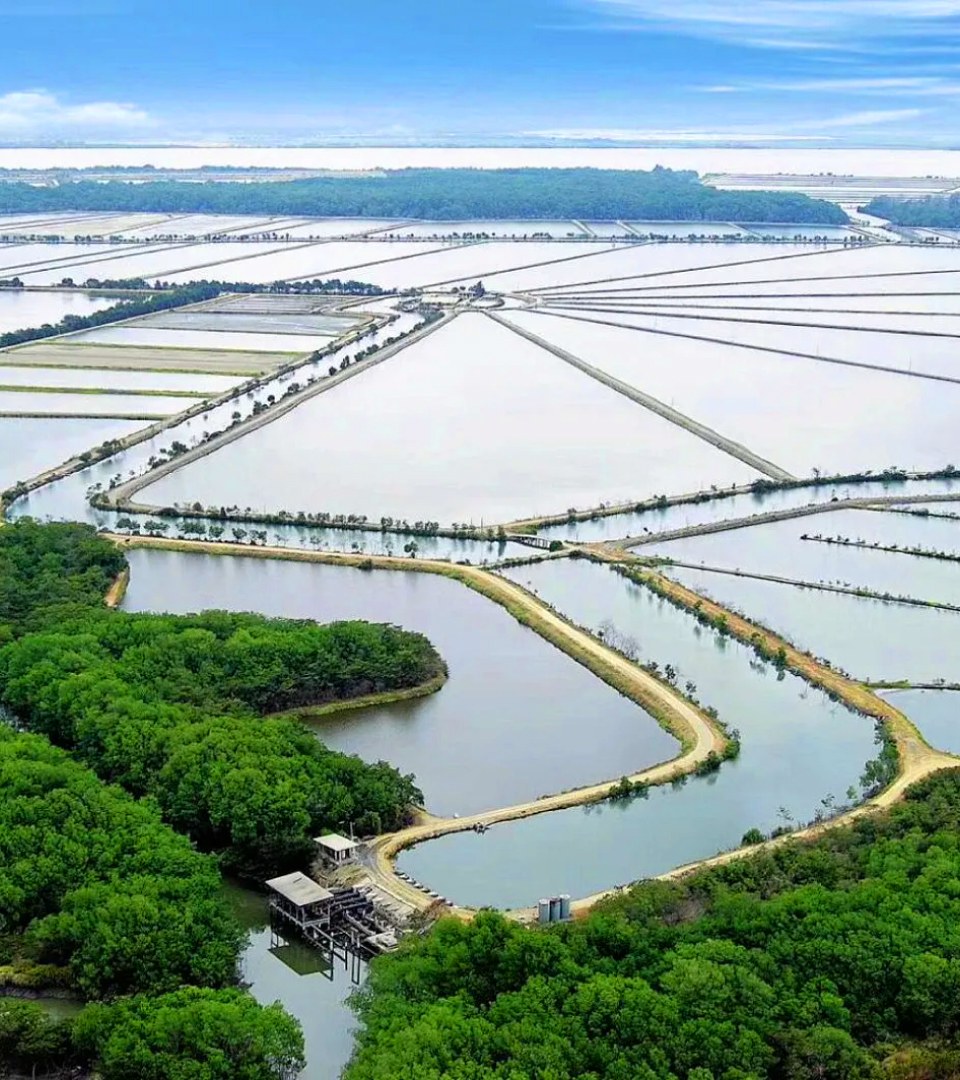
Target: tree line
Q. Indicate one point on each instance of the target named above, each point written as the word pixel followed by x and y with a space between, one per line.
pixel 837 959
pixel 102 887
pixel 933 211
pixel 442 194
pixel 125 309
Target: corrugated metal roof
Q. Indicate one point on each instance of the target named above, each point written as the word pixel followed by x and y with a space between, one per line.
pixel 299 889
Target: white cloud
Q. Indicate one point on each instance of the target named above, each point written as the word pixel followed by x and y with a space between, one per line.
pixel 785 24
pixel 658 136
pixel 866 119
pixel 41 113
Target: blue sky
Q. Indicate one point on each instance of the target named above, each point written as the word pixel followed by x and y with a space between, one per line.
pixel 857 71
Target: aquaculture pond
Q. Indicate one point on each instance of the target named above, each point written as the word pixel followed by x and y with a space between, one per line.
pixel 873 639
pixel 683 515
pixel 21 309
pixel 66 499
pixel 528 719
pixel 101 379
pixel 935 712
pixel 32 446
pixel 413 438
pixel 790 549
pixel 815 416
pixel 28 403
pixel 798 749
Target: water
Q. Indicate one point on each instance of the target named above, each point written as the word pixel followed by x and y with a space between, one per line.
pixel 29 447
pixel 150 262
pixel 24 402
pixel 935 712
pixel 529 720
pixel 341 258
pixel 873 639
pixel 249 322
pixel 890 295
pixel 641 261
pixel 777 548
pixel 683 515
pixel 471 424
pixel 797 749
pixel 522 229
pixel 873 348
pixel 819 416
pixel 136 335
pixel 20 309
pixel 283 969
pixel 94 378
pixel 686 228
pixel 66 499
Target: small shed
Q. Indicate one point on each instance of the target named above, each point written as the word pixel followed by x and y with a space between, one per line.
pixel 299 898
pixel 337 850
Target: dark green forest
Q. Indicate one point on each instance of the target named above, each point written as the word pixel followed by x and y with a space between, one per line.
pixel 442 194
pixel 934 211
pixel 100 891
pixel 837 960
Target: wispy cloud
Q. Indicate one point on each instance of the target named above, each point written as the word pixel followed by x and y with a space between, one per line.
pixel 785 24
pixel 867 119
pixel 41 113
pixel 910 86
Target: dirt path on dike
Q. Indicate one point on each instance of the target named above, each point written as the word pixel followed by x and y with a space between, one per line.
pixel 699 735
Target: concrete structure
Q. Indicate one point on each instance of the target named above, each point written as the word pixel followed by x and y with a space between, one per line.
pixel 336 850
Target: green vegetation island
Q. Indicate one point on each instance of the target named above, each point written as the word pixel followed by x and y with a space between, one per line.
pixel 933 211
pixel 138 760
pixel 442 195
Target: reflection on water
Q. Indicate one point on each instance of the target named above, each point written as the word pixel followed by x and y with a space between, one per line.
pixel 311 987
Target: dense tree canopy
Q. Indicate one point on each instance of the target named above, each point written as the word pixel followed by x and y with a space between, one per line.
pixel 934 211
pixel 441 194
pixel 193 1034
pixel 813 960
pixel 100 885
pixel 174 706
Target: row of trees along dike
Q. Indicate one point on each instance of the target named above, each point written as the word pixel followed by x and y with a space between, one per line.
pixel 442 194
pixel 837 959
pixel 99 892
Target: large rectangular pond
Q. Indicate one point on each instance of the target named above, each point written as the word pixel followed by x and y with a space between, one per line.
pixel 95 378
pixel 138 335
pixel 472 424
pixel 53 403
pixel 799 413
pixel 528 719
pixel 798 748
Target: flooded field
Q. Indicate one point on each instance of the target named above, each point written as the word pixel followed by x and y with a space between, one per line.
pixel 797 750
pixel 564 728
pixel 413 438
pixel 519 230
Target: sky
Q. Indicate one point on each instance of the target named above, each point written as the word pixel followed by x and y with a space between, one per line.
pixel 834 72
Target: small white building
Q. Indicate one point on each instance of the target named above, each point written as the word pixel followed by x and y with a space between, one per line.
pixel 336 850
pixel 299 899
